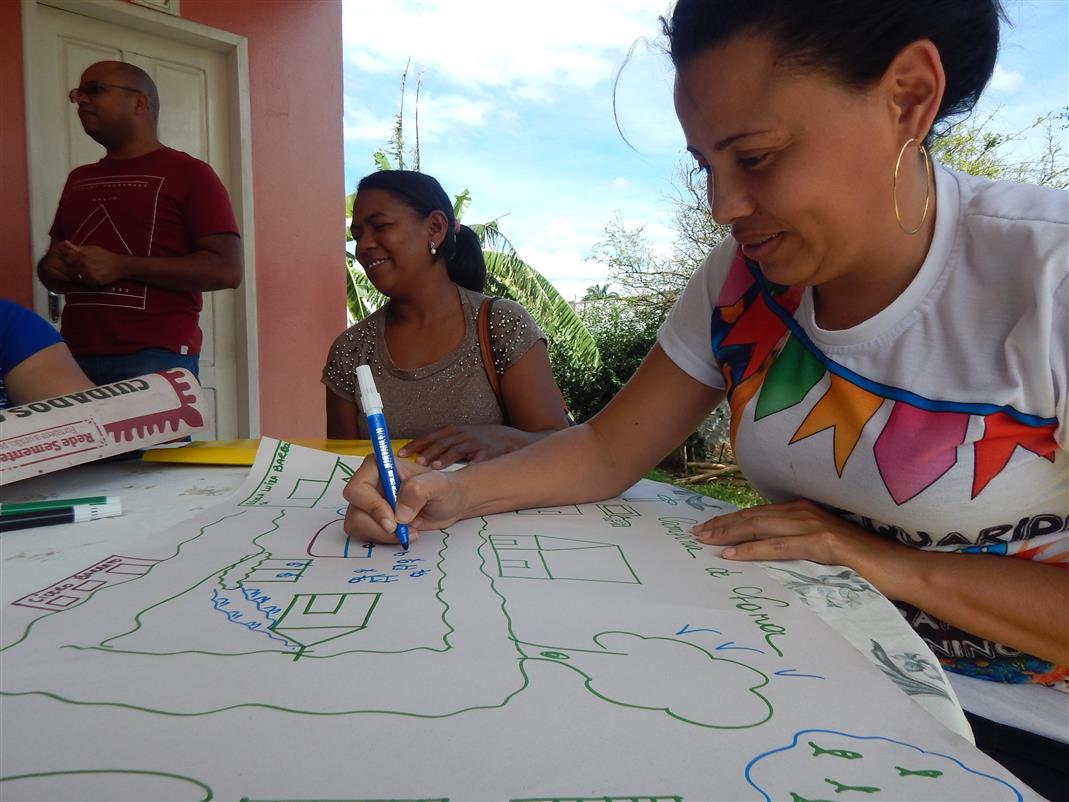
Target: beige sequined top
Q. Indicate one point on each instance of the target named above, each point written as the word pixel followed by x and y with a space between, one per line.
pixel 452 391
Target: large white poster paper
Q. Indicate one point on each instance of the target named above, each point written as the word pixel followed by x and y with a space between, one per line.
pixel 575 653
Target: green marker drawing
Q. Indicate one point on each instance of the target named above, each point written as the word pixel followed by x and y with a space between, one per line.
pixel 839 787
pixel 441 799
pixel 846 753
pixel 799 798
pixel 920 773
pixel 25 782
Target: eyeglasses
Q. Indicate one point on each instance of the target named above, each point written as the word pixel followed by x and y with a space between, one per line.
pixel 94 88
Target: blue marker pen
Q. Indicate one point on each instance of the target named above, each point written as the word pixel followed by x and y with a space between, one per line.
pixel 371 401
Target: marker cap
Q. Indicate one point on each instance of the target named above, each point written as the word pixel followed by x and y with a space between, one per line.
pixel 370 400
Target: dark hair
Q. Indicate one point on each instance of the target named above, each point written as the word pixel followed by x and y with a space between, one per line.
pixel 854 40
pixel 461 248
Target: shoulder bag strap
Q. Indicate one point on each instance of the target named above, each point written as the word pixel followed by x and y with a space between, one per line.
pixel 488 354
pixel 488 361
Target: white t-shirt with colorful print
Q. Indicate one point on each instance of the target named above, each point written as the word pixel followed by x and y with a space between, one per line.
pixel 941 421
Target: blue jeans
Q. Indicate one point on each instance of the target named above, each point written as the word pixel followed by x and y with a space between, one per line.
pixel 109 368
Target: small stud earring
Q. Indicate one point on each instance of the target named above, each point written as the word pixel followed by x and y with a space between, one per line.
pixel 434 249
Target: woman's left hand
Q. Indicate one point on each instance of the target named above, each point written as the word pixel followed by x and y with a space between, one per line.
pixel 452 443
pixel 979 593
pixel 797 530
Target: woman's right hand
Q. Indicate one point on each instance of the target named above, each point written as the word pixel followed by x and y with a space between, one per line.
pixel 427 500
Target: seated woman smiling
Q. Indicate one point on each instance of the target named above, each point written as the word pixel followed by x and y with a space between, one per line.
pixel 423 345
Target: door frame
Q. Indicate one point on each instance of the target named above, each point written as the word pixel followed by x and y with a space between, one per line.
pixel 236 50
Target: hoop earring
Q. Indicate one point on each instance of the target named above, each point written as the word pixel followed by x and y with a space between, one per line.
pixel 927 184
pixel 434 249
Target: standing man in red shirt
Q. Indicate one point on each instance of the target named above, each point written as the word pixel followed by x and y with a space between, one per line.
pixel 137 237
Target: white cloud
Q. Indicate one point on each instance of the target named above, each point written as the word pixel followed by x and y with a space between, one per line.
pixel 660 236
pixel 662 239
pixel 360 124
pixel 1004 80
pixel 561 233
pixel 527 48
pixel 438 116
pixel 364 132
pixel 455 109
pixel 566 269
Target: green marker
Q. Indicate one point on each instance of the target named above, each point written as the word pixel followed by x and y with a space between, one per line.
pixel 17 507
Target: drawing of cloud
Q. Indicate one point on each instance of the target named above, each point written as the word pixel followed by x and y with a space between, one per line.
pixel 825 764
pixel 116 784
pixel 683 680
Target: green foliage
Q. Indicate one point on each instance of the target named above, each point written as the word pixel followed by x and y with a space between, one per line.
pixel 741 495
pixel 975 149
pixel 361 297
pixel 381 163
pixel 651 279
pixel 571 345
pixel 623 336
pixel 461 203
pixel 599 292
pixel 396 143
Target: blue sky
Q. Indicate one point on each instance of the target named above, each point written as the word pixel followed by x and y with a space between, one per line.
pixel 516 106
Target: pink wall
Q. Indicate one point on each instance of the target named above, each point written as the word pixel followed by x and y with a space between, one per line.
pixel 15 276
pixel 295 75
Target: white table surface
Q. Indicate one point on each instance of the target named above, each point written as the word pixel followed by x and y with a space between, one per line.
pixel 156 496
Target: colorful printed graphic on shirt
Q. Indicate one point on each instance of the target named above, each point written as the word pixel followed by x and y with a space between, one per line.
pixel 768 359
pixel 763 352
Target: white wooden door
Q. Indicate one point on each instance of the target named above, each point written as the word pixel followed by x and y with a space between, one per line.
pixel 194 117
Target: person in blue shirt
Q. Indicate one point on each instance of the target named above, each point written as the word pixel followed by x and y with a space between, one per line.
pixel 35 363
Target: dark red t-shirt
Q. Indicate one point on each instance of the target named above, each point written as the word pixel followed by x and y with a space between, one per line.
pixel 156 205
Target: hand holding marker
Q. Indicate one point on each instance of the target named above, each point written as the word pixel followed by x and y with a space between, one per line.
pixel 371 402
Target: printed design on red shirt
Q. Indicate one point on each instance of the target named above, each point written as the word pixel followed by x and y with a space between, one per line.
pixel 99 227
pixel 763 351
pixel 155 206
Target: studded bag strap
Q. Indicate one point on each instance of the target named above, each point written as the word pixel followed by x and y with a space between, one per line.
pixel 485 308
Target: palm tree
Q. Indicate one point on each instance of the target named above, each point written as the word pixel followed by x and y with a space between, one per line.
pixel 361 297
pixel 509 276
pixel 599 292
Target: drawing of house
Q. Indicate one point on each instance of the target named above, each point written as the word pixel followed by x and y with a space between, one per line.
pixel 314 618
pixel 542 557
pixel 76 589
